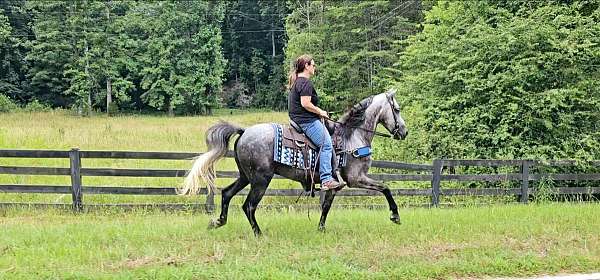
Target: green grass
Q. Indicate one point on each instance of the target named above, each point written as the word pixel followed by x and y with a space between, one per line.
pixel 60 130
pixel 470 242
pixel 465 242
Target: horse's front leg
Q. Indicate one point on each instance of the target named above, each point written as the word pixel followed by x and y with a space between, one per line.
pixel 326 201
pixel 365 182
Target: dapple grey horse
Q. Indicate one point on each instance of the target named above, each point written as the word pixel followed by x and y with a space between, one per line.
pixel 254 157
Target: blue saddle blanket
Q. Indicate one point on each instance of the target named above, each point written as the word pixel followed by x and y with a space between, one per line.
pixel 291 148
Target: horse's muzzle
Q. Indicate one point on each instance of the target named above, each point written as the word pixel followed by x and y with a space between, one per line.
pixel 401 135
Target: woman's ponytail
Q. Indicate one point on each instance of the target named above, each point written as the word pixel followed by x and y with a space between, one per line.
pixel 297 67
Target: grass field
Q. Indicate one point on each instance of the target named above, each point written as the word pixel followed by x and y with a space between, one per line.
pixel 447 243
pixel 470 242
pixel 60 130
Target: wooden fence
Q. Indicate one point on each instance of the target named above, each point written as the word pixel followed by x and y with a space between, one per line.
pixel 427 173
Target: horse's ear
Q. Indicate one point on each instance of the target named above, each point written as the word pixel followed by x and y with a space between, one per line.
pixel 391 92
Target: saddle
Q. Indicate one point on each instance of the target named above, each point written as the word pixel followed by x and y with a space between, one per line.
pixel 293 148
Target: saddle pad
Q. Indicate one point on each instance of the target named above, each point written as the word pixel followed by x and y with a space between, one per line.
pixel 289 153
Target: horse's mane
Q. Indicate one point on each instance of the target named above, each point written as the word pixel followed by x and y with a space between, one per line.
pixel 356 115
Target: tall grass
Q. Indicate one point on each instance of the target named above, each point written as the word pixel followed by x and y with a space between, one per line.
pixel 60 130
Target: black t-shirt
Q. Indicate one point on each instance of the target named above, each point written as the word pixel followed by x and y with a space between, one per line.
pixel 302 87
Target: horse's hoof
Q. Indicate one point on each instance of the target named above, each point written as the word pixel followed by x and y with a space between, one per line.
pixel 395 218
pixel 322 228
pixel 214 223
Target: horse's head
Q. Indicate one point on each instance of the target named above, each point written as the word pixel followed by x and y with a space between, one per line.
pixel 373 110
pixel 390 116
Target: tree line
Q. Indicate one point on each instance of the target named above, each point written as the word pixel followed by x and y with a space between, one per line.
pixel 187 57
pixel 505 79
pixel 178 57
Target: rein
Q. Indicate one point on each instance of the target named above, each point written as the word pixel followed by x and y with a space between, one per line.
pixel 361 128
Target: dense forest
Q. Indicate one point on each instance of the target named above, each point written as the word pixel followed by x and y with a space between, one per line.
pixel 178 57
pixel 505 79
pixel 187 57
pixel 489 78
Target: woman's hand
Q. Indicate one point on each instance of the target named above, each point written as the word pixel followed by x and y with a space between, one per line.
pixel 323 114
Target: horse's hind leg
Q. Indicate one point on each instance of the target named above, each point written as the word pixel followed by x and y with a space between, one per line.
pixel 257 191
pixel 226 196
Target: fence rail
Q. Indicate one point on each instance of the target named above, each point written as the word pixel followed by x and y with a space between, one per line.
pixel 434 175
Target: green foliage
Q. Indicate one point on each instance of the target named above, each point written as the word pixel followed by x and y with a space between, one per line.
pixel 6 104
pixel 131 55
pixel 161 55
pixel 253 39
pixel 14 31
pixel 545 191
pixel 51 52
pixel 502 80
pixel 354 44
pixel 36 106
pixel 182 62
pixel 4 27
pixel 273 94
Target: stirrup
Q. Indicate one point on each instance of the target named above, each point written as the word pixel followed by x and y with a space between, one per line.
pixel 340 180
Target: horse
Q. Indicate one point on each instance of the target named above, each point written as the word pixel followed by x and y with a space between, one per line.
pixel 253 153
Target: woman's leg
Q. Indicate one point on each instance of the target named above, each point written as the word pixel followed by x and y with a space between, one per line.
pixel 318 134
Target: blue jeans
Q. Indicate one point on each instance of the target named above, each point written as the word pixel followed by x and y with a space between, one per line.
pixel 319 135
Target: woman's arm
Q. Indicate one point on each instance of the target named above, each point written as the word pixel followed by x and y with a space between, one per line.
pixel 305 101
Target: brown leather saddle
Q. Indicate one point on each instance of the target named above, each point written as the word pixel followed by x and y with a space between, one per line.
pixel 294 148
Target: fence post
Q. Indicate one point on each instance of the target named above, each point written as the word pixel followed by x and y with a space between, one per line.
pixel 210 202
pixel 435 182
pixel 525 181
pixel 77 194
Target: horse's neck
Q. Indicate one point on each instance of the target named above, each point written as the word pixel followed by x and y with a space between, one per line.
pixel 363 135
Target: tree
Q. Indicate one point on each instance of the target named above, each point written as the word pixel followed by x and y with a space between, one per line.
pixel 50 52
pixel 497 79
pixel 354 44
pixel 14 33
pixel 253 46
pixel 182 63
pixel 104 55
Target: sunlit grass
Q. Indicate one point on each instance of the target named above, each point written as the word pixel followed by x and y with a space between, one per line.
pixel 470 242
pixel 61 130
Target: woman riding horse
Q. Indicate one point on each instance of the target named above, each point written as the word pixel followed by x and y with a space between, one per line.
pixel 302 103
pixel 254 156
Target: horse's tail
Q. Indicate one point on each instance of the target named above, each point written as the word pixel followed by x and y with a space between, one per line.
pixel 217 141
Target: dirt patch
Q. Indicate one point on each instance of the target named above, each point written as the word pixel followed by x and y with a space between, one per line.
pixel 143 261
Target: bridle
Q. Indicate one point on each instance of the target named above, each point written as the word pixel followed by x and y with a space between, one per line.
pixel 396 129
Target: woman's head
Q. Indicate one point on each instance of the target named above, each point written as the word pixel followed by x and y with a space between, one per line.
pixel 302 64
